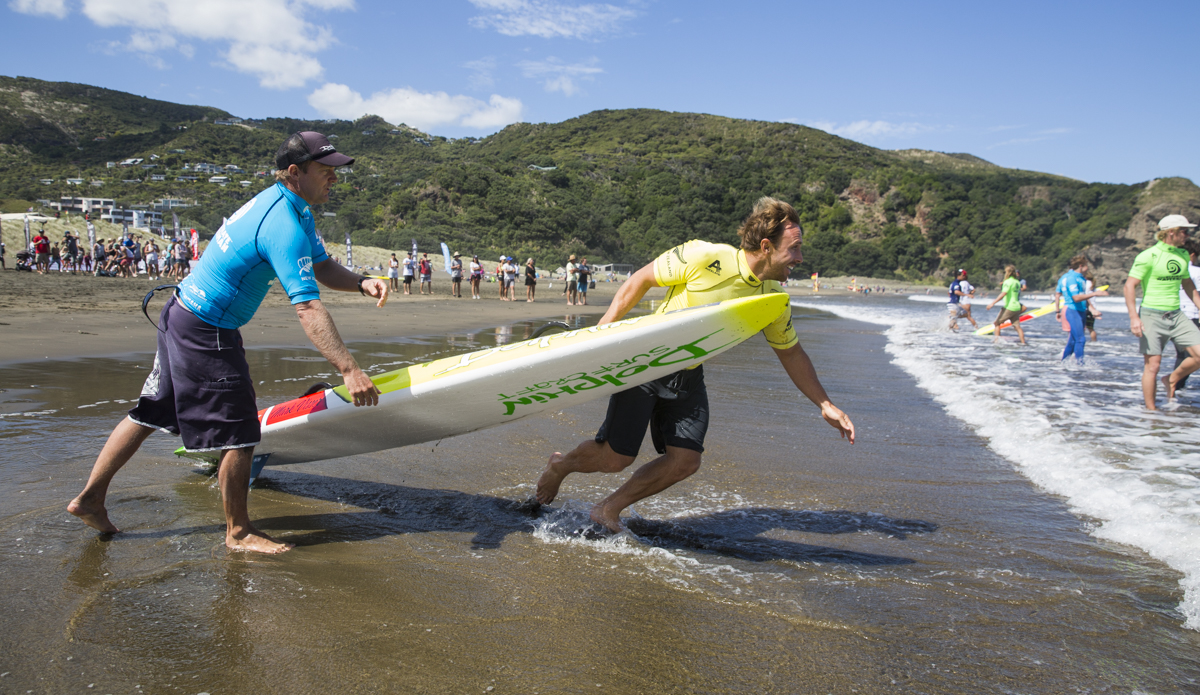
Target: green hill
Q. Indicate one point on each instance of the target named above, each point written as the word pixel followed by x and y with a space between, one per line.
pixel 613 185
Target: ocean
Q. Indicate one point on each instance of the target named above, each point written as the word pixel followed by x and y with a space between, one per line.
pixel 1003 524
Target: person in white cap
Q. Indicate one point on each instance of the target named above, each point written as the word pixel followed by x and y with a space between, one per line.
pixel 1162 270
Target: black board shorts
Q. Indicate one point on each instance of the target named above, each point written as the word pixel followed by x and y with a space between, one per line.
pixel 200 386
pixel 675 407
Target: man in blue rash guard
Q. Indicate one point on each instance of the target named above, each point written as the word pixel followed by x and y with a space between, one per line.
pixel 200 386
pixel 1071 290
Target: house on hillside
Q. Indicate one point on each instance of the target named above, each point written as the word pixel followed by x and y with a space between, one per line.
pixel 222 180
pixel 228 121
pixel 233 169
pixel 206 168
pixel 132 161
pixel 75 182
pixel 158 177
pixel 47 182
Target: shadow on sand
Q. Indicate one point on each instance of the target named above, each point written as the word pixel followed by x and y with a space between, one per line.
pixel 385 509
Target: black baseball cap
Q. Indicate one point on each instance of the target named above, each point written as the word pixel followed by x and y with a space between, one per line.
pixel 309 146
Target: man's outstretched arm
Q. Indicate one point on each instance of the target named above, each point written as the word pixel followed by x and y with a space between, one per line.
pixel 800 368
pixel 336 277
pixel 630 294
pixel 318 325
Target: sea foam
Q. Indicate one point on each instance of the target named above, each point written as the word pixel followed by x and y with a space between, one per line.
pixel 1078 431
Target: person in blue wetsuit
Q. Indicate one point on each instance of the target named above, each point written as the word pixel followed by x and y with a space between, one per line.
pixel 1072 291
pixel 200 386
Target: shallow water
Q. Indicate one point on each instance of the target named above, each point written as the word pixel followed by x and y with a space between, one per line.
pixel 918 560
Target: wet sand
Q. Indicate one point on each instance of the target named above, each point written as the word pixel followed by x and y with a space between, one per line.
pixel 914 561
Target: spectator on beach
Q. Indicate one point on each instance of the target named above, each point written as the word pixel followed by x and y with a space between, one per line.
pixel 572 289
pixel 500 275
pixel 510 279
pixel 1162 271
pixel 1072 290
pixel 530 280
pixel 476 276
pixel 675 407
pixel 150 252
pixel 55 257
pixel 3 265
pixel 1190 310
pixel 41 253
pixel 583 271
pixel 70 255
pixel 456 273
pixel 426 270
pixel 393 272
pixel 200 386
pixel 409 266
pixel 1010 293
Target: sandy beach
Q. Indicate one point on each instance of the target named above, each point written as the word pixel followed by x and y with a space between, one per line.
pixel 918 560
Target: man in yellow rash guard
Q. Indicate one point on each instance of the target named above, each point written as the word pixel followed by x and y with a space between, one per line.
pixel 676 406
pixel 1162 270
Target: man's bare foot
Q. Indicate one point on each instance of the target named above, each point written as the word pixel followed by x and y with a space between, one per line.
pixel 94 516
pixel 551 479
pixel 255 541
pixel 1169 386
pixel 607 518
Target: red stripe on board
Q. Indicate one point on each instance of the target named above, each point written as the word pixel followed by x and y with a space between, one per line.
pixel 301 406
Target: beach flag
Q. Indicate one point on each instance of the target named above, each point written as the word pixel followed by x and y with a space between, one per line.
pixel 414 250
pixel 196 242
pixel 446 255
pixel 349 252
pixel 27 241
pixel 91 233
pixel 175 231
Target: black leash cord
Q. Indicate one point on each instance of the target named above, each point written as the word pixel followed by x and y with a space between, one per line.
pixel 149 296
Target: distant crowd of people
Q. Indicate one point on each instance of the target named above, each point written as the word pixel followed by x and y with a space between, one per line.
pixel 402 273
pixel 1168 275
pixel 115 257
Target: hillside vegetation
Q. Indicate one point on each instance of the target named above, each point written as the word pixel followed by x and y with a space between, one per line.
pixel 614 185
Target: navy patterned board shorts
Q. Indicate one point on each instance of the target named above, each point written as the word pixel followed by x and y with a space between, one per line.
pixel 200 387
pixel 675 407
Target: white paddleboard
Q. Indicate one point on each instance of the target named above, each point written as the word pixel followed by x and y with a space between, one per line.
pixel 491 387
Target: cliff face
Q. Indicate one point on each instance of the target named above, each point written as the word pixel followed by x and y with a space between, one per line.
pixel 1112 256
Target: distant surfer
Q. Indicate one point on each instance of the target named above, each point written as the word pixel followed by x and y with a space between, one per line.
pixel 954 304
pixel 1010 294
pixel 675 407
pixel 200 386
pixel 1162 270
pixel 1072 290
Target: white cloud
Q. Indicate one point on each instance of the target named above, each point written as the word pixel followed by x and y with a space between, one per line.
pixel 417 109
pixel 549 18
pixel 871 130
pixel 270 39
pixel 558 77
pixel 53 8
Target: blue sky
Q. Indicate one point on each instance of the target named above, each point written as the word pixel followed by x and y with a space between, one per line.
pixel 1099 91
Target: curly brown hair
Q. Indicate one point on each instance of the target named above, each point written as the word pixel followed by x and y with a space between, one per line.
pixel 766 221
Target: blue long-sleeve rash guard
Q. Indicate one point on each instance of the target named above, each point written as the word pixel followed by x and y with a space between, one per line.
pixel 273 235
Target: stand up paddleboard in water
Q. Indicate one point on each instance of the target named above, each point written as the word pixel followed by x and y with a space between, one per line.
pixel 481 389
pixel 1040 311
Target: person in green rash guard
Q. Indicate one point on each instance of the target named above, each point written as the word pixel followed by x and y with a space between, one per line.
pixel 1010 292
pixel 1162 270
